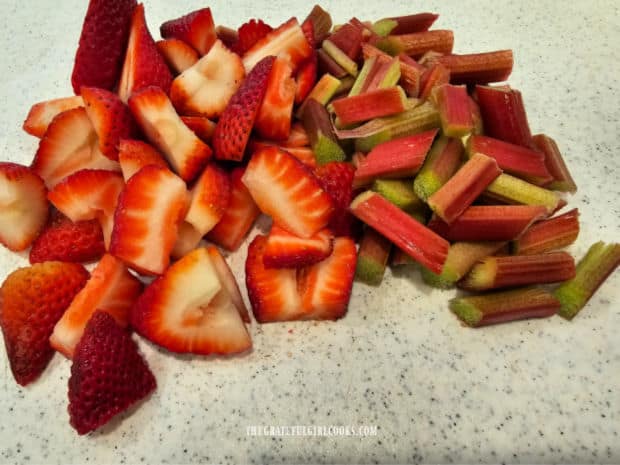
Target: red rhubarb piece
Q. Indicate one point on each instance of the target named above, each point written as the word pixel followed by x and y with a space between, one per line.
pixel 562 179
pixel 380 102
pixel 455 110
pixel 478 68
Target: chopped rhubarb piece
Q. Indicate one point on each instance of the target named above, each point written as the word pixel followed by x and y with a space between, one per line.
pixel 41 114
pixel 489 223
pixel 327 65
pixel 322 92
pixel 321 22
pixel 476 116
pixel 436 75
pixel 416 44
pixel 511 190
pixel 400 193
pixel 455 110
pixel 441 163
pixel 502 307
pixel 460 191
pixel 503 113
pixel 386 75
pixel 519 270
pixel 201 126
pixel 592 270
pixel 478 68
pixel 553 233
pixel 374 104
pixel 400 258
pixel 514 159
pixel 384 27
pixel 372 257
pixel 410 71
pixel 286 250
pixel 340 57
pixel 418 22
pixel 348 38
pixel 562 179
pixel 318 125
pixel 421 243
pixel 398 158
pixel 429 58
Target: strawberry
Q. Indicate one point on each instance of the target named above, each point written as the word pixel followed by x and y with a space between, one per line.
pixel 111 119
pixel 298 137
pixel 235 125
pixel 187 310
pixel 209 199
pixel 249 33
pixel 69 145
pixel 195 28
pixel 188 238
pixel 66 241
pixel 147 216
pixel 111 288
pixel 178 54
pixel 134 155
pixel 23 206
pixel 201 126
pixel 336 178
pixel 307 73
pixel 185 152
pixel 41 114
pixel 285 250
pixel 273 120
pixel 227 278
pixel 285 189
pixel 103 40
pixel 144 66
pixel 238 218
pixel 31 302
pixel 108 374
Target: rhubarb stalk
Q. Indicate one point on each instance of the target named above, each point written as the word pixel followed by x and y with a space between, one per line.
pixel 550 234
pixel 562 179
pixel 372 257
pixel 441 163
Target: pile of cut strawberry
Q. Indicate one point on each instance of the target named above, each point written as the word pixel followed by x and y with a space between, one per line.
pixel 365 133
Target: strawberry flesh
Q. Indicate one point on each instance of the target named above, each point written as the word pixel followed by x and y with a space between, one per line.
pixel 336 178
pixel 195 28
pixel 285 250
pixel 249 33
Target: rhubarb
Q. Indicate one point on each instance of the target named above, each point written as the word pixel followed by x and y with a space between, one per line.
pixel 416 44
pixel 562 179
pixel 400 193
pixel 340 57
pixel 413 23
pixel 322 92
pixel 455 110
pixel 321 22
pixel 410 71
pixel 348 38
pixel 400 258
pixel 441 163
pixel 478 68
pixel 327 65
pixel 372 257
pixel 511 190
pixel 374 104
pixel 435 76
pixel 550 234
pixel 385 75
pixel 321 134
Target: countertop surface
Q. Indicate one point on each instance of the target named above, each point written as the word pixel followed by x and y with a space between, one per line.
pixel 533 391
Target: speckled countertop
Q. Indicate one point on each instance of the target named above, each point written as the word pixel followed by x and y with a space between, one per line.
pixel 534 391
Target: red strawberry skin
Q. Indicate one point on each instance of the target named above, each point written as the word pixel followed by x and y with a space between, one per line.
pixel 108 374
pixel 250 33
pixel 195 28
pixel 32 300
pixel 99 56
pixel 336 178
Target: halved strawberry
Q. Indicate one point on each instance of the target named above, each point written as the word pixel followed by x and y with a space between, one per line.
pixel 187 310
pixel 144 66
pixel 103 40
pixel 285 189
pixel 273 120
pixel 298 137
pixel 303 154
pixel 249 33
pixel 209 199
pixel 111 288
pixel 201 126
pixel 205 88
pixel 147 216
pixel 285 250
pixel 227 278
pixel 178 54
pixel 307 73
pixel 239 216
pixel 336 178
pixel 227 35
pixel 135 154
pixel 188 238
pixel 23 206
pixel 235 125
pixel 69 145
pixel 195 28
pixel 154 112
pixel 41 114
pixel 32 300
pixel 108 374
pixel 111 119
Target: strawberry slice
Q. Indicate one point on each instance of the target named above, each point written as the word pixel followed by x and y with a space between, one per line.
pixel 209 199
pixel 285 189
pixel 188 238
pixel 227 278
pixel 249 33
pixel 134 155
pixel 108 374
pixel 144 66
pixel 103 40
pixel 195 28
pixel 147 216
pixel 188 310
pixel 307 73
pixel 23 206
pixel 238 218
pixel 33 299
pixel 178 54
pixel 154 112
pixel 111 119
pixel 111 288
pixel 69 145
pixel 234 127
pixel 285 250
pixel 201 126
pixel 41 114
pixel 273 120
pixel 336 178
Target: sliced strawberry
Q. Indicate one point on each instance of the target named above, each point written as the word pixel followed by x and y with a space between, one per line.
pixel 66 241
pixel 111 288
pixel 111 119
pixel 273 120
pixel 103 40
pixel 23 206
pixel 201 126
pixel 188 238
pixel 306 78
pixel 238 218
pixel 178 54
pixel 227 35
pixel 134 155
pixel 149 211
pixel 249 33
pixel 31 302
pixel 272 291
pixel 108 374
pixel 144 66
pixel 227 278
pixel 303 154
pixel 195 28
pixel 205 88
pixel 285 250
pixel 308 28
pixel 336 178
pixel 209 199
pixel 41 114
pixel 187 310
pixel 286 190
pixel 298 137
pixel 162 125
pixel 69 145
pixel 234 127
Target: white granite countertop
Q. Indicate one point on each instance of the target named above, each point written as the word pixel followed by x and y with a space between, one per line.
pixel 534 391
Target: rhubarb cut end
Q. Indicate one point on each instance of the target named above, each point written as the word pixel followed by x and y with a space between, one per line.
pixel 445 280
pixel 369 271
pixel 466 312
pixel 399 192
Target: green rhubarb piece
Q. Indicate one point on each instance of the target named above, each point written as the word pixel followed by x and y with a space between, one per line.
pixel 510 189
pixel 391 76
pixel 322 92
pixel 346 84
pixel 372 257
pixel 340 57
pixel 362 77
pixel 323 141
pixel 592 270
pixel 441 163
pixel 384 27
pixel 400 193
